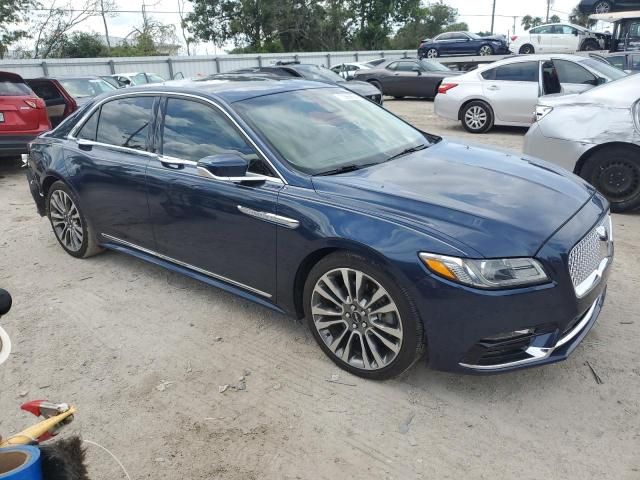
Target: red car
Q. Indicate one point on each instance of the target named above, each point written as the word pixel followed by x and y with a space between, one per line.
pixel 29 108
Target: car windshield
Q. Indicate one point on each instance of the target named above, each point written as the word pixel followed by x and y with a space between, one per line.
pixel 608 71
pixel 325 129
pixel 314 72
pixel 86 87
pixel 433 66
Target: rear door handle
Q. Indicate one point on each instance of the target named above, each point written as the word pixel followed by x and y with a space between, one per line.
pixel 493 87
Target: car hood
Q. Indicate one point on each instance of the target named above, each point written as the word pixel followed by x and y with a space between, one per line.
pixel 361 88
pixel 497 38
pixel 483 202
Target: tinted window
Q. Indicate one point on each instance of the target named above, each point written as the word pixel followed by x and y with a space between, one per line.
pixel 458 36
pixel 518 72
pixel 406 66
pixel 445 36
pixel 635 62
pixel 569 72
pixel 89 129
pixel 392 66
pixel 617 61
pixel 125 122
pixel 139 79
pixel 14 89
pixel 489 74
pixel 540 30
pixel 193 130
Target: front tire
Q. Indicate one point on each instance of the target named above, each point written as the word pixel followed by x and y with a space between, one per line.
pixel 361 318
pixel 590 46
pixel 527 50
pixel 485 51
pixel 477 117
pixel 615 172
pixel 603 6
pixel 70 226
pixel 432 53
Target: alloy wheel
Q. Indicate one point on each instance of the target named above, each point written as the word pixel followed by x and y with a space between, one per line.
pixel 432 53
pixel 485 51
pixel 357 319
pixel 602 7
pixel 476 117
pixel 66 220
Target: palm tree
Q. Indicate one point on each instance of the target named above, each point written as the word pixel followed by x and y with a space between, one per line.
pixel 579 18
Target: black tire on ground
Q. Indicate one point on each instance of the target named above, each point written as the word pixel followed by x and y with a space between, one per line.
pixel 477 117
pixel 615 172
pixel 527 49
pixel 413 337
pixel 89 245
pixel 590 45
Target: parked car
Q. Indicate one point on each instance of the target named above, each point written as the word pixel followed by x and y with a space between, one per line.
pixel 318 74
pixel 84 88
pixel 23 115
pixel 133 79
pixel 407 77
pixel 348 70
pixel 60 104
pixel 111 81
pixel 462 43
pixel 506 92
pixel 559 38
pixel 628 62
pixel 310 200
pixel 606 6
pixel 603 143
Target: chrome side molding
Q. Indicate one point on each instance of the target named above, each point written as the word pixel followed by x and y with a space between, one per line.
pixel 270 217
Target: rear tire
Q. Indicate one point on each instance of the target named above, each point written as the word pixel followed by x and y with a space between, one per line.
pixel 70 226
pixel 527 50
pixel 603 6
pixel 338 313
pixel 485 51
pixel 477 117
pixel 590 46
pixel 615 172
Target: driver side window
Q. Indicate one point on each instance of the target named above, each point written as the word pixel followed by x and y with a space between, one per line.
pixel 193 130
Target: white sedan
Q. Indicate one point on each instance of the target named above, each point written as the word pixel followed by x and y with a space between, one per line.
pixel 557 38
pixel 348 70
pixel 506 92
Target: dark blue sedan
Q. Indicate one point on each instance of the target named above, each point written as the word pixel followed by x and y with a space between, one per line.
pixel 315 202
pixel 462 43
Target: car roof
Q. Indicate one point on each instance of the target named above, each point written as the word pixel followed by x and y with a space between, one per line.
pixel 230 88
pixel 531 58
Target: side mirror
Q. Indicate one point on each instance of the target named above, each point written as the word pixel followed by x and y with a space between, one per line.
pixel 601 81
pixel 228 167
pixel 224 165
pixel 5 302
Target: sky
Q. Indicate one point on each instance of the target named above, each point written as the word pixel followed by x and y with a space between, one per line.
pixel 476 13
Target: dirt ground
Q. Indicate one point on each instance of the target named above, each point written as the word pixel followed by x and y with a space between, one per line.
pixel 142 352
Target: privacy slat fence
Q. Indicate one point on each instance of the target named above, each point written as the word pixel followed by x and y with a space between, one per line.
pixel 168 67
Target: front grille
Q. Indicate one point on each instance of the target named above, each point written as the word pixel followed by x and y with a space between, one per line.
pixel 586 256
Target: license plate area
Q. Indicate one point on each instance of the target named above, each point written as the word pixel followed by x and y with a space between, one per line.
pixel 1 117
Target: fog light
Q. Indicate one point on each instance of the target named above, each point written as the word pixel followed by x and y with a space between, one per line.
pixel 501 337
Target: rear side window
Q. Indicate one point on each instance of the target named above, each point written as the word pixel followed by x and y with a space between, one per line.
pixel 125 122
pixel 569 72
pixel 193 130
pixel 90 128
pixel 617 61
pixel 406 66
pixel 518 72
pixel 14 89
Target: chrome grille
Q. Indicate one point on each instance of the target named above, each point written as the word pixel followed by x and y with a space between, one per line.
pixel 586 256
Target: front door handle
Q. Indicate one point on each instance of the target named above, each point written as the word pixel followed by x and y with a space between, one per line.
pixel 493 87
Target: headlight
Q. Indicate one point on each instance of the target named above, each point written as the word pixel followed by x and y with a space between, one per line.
pixel 487 273
pixel 542 111
pixel 636 115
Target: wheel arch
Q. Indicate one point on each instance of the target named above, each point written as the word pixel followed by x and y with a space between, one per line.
pixel 334 246
pixel 598 148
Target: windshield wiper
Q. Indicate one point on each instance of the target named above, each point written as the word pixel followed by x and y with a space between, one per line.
pixel 407 151
pixel 345 169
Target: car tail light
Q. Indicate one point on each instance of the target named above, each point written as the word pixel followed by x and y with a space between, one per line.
pixel 445 87
pixel 514 38
pixel 32 103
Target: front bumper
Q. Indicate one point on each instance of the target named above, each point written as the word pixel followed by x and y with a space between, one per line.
pixel 564 153
pixel 474 331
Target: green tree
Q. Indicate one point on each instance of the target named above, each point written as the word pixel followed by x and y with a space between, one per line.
pixel 528 22
pixel 80 45
pixel 427 22
pixel 579 18
pixel 555 19
pixel 12 12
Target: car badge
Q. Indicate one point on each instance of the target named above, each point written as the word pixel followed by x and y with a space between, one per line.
pixel 602 233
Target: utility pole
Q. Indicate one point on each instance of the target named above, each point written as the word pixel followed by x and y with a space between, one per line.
pixel 513 32
pixel 493 16
pixel 548 9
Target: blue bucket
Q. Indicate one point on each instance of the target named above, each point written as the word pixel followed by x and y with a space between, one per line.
pixel 20 463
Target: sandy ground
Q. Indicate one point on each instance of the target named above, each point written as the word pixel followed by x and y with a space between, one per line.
pixel 142 353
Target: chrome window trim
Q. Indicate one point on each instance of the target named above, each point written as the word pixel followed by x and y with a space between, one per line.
pixel 541 353
pixel 156 93
pixel 82 141
pixel 186 265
